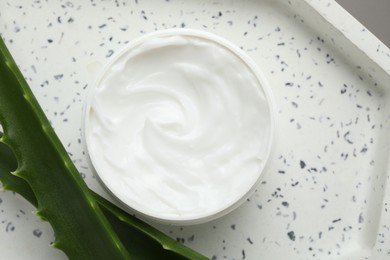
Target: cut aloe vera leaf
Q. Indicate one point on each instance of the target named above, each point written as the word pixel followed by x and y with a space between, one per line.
pixel 34 164
pixel 81 230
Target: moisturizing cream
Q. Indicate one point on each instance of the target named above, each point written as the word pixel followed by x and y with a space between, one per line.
pixel 179 126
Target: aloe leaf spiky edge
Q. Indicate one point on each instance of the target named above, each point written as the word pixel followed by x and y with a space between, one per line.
pixel 81 229
pixel 8 164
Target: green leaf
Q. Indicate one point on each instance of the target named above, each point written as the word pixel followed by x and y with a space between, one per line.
pixel 81 229
pixel 34 164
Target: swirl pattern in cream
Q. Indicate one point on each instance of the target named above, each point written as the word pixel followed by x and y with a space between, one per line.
pixel 178 127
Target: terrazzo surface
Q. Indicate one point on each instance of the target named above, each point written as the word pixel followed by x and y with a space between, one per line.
pixel 324 194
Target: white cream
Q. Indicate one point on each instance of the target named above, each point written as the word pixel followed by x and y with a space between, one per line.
pixel 179 127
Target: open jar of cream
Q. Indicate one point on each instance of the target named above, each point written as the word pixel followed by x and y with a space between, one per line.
pixel 179 126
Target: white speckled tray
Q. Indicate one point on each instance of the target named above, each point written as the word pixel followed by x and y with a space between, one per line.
pixel 325 194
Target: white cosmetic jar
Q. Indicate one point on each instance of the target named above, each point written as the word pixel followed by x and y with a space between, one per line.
pixel 179 126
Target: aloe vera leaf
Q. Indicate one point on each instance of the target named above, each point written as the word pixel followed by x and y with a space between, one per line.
pixel 80 228
pixel 140 239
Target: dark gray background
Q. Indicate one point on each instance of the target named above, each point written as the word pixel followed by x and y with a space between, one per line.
pixel 373 14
